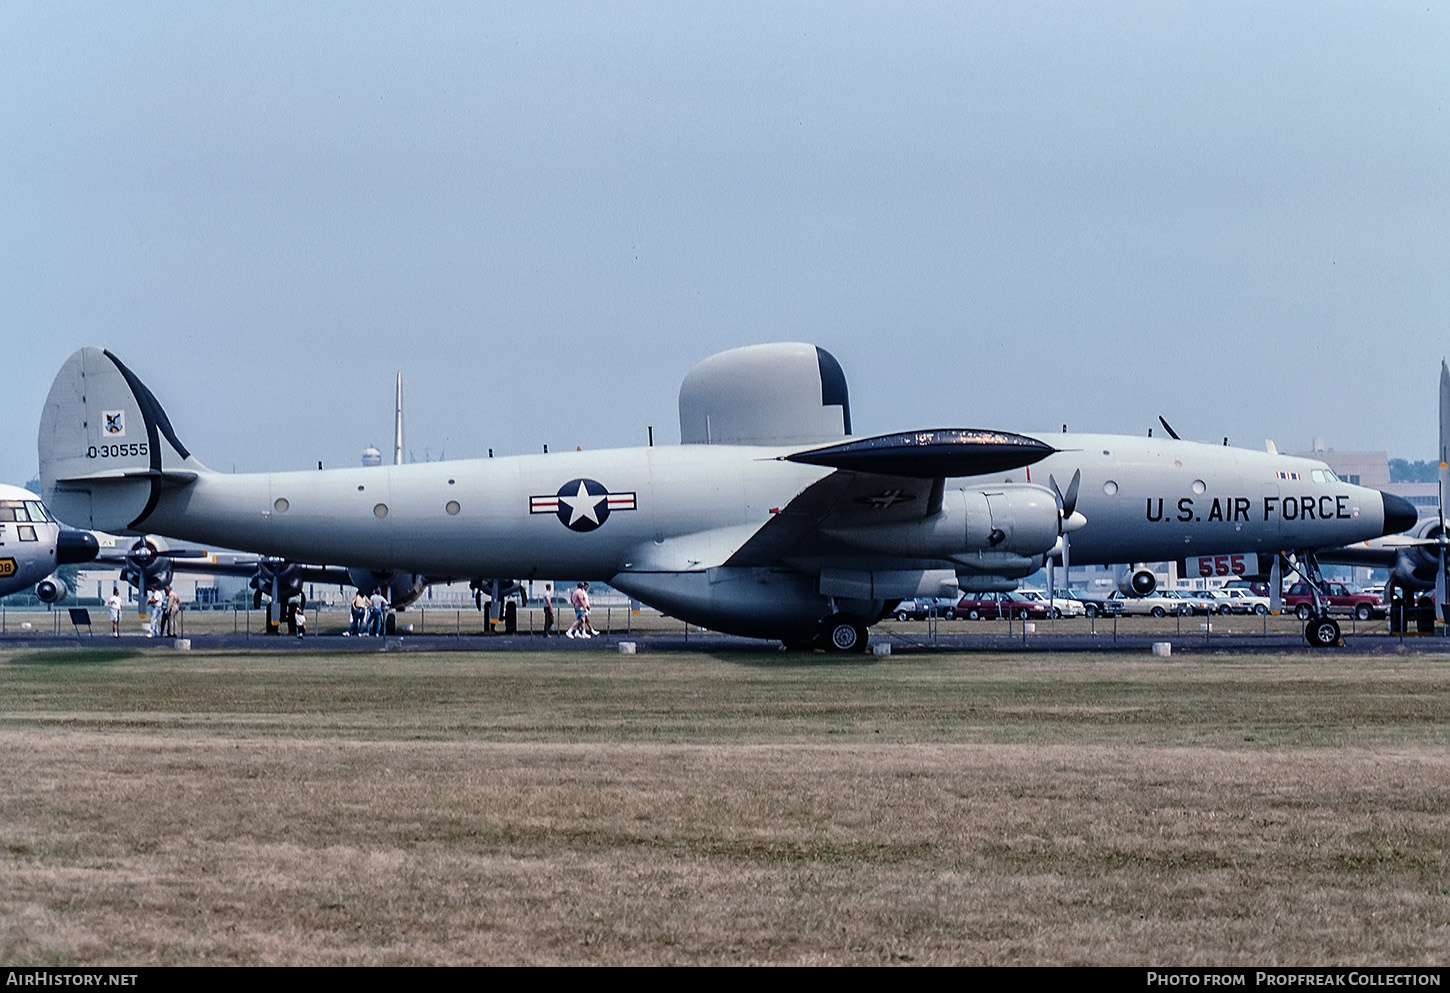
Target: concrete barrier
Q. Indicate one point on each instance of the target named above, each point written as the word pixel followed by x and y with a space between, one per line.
pixel 627 648
pixel 1162 648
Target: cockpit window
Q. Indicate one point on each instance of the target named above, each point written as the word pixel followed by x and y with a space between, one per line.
pixel 13 510
pixel 37 511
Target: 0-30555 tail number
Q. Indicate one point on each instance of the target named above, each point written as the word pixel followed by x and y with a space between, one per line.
pixel 116 451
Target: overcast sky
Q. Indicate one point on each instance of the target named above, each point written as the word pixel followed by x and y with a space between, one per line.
pixel 1011 216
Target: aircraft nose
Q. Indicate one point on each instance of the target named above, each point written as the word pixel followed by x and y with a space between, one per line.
pixel 1400 514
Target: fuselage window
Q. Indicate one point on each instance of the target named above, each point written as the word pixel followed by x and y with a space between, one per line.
pixel 25 532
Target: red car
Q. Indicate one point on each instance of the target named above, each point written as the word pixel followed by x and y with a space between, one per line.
pixel 988 606
pixel 1338 598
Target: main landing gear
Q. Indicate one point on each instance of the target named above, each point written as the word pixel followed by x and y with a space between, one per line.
pixel 839 633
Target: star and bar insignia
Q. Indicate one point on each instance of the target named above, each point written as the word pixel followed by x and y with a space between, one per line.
pixel 582 504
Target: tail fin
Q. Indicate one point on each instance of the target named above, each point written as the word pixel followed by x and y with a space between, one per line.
pixel 107 449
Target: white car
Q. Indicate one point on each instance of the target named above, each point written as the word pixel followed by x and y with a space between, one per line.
pixel 1251 602
pixel 1155 604
pixel 1063 605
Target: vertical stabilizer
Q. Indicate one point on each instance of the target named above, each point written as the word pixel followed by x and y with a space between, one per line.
pixel 106 447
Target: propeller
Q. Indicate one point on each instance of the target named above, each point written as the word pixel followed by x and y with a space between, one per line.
pixel 146 567
pixel 1069 520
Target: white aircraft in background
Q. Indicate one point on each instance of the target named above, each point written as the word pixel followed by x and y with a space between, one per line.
pixel 768 520
pixel 1417 559
pixel 33 546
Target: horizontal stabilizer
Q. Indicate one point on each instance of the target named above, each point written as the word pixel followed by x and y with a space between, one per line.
pixel 943 452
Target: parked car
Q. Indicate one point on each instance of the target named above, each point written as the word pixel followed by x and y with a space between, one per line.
pixel 1099 604
pixel 1338 598
pixel 1156 604
pixel 1244 601
pixel 988 606
pixel 1190 602
pixel 920 608
pixel 1060 605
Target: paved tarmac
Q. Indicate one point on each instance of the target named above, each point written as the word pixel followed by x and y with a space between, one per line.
pixel 1184 643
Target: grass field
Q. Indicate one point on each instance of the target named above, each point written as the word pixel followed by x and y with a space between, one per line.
pixel 161 807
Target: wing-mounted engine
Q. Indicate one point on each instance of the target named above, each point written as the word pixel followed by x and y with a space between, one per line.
pixel 1002 530
pixel 1137 581
pixel 401 588
pixel 778 394
pixel 275 578
pixel 52 590
pixel 147 566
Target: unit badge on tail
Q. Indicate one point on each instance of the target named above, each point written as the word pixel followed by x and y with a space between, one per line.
pixel 582 504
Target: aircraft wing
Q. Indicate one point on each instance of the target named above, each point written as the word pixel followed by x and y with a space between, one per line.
pixel 882 481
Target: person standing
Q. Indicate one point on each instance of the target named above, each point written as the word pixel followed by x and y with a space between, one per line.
pixel 359 611
pixel 377 612
pixel 173 611
pixel 548 608
pixel 579 600
pixel 157 603
pixel 589 631
pixel 116 606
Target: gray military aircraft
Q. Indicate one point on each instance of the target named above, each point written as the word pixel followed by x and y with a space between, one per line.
pixel 769 519
pixel 1416 560
pixel 33 546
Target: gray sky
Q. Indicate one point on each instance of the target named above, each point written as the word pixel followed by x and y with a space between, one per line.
pixel 994 215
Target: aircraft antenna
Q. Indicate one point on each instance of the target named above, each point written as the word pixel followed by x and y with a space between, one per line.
pixel 398 423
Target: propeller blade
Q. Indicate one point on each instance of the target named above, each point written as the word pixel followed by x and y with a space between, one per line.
pixel 1440 579
pixel 1069 503
pixel 1440 572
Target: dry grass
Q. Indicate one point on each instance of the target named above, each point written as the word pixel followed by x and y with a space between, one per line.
pixel 173 808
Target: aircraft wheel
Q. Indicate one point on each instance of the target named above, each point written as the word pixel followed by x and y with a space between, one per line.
pixel 1159 612
pixel 1363 612
pixel 1322 632
pixel 1303 611
pixel 845 634
pixel 1261 610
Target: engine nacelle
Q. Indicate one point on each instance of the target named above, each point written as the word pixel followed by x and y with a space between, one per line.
pixel 51 590
pixel 146 567
pixel 1137 582
pixel 999 530
pixel 275 576
pixel 401 588
pixel 1415 567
